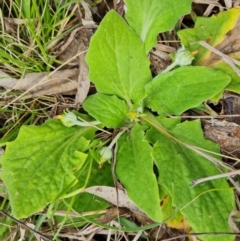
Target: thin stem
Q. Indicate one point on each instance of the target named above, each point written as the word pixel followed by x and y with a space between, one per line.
pixel 170 67
pixel 115 139
pixel 91 123
pixel 25 226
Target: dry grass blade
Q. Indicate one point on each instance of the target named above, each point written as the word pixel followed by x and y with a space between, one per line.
pixel 227 174
pixel 228 60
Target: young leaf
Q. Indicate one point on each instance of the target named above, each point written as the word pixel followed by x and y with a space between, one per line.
pixel 39 166
pixel 98 176
pixel 109 110
pixel 117 62
pixel 149 18
pixel 221 32
pixel 207 206
pixel 184 88
pixel 135 170
pixel 84 202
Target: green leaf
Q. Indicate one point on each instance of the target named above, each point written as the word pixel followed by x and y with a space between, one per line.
pixel 109 110
pixel 207 206
pixel 117 61
pixel 184 88
pixel 234 85
pixel 221 32
pixel 134 168
pixel 39 166
pixel 149 18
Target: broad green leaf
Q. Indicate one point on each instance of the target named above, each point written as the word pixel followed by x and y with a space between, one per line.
pixel 221 32
pixel 149 18
pixel 117 61
pixel 184 88
pixel 234 85
pixel 134 168
pixel 207 206
pixel 109 110
pixel 39 166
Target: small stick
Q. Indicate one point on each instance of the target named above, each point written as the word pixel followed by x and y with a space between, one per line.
pixel 25 226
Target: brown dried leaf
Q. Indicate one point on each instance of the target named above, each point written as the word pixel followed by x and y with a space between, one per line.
pixel 6 81
pixel 119 6
pixel 83 81
pixel 44 83
pixel 226 134
pixel 119 199
pixel 231 107
pixel 78 43
pixel 111 214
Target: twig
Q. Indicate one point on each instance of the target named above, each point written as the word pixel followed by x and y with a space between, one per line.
pixel 24 225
